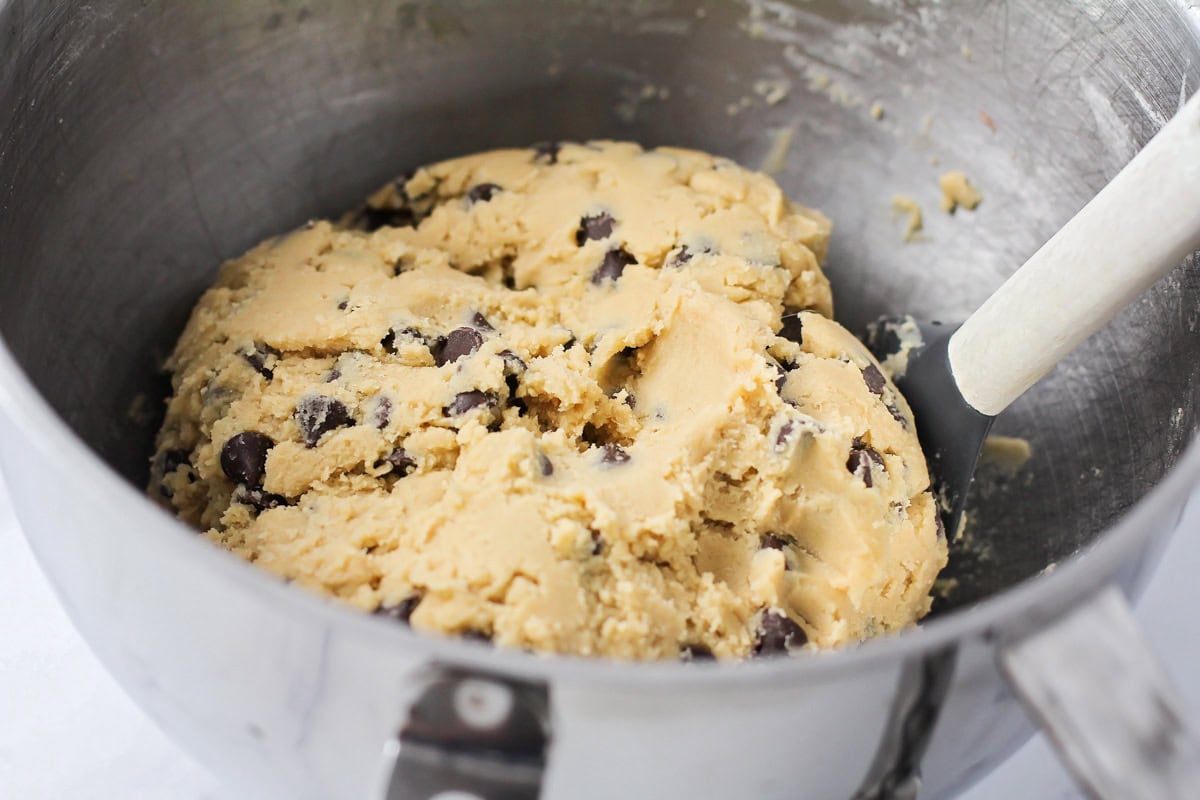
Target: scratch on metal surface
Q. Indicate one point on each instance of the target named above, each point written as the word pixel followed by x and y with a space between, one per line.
pixel 191 182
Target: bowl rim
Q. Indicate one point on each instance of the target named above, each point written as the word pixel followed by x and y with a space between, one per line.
pixel 1054 591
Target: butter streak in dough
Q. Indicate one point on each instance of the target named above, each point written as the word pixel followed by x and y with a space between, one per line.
pixel 625 459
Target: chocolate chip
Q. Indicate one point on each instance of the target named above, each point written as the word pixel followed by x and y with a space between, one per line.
pixel 862 456
pixel 459 342
pixel 466 401
pixel 613 266
pixel 778 634
pixel 547 465
pixel 343 305
pixel 407 334
pixel 513 365
pixel 547 152
pixel 402 463
pixel 261 500
pixel 696 652
pixel 479 322
pixel 897 414
pixel 597 542
pixel 680 257
pixel 382 414
pixel 614 454
pixel 793 328
pixel 595 228
pixel 874 379
pixel 569 343
pixel 776 541
pixel 317 415
pixel 372 219
pixel 482 192
pixel 401 612
pixel 781 380
pixel 244 458
pixel 333 375
pixel 785 433
pixel 257 358
pixel 174 459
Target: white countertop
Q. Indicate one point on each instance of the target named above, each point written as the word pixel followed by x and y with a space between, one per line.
pixel 67 731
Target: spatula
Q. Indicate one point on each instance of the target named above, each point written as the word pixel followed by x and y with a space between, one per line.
pixel 1137 229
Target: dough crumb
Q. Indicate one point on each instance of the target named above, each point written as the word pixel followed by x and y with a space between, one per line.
pixel 903 204
pixel 776 158
pixel 958 191
pixel 877 110
pixel 773 91
pixel 987 120
pixel 1006 454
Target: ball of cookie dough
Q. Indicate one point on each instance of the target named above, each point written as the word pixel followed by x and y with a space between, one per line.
pixel 580 399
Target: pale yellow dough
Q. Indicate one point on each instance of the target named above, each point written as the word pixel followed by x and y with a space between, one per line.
pixel 641 486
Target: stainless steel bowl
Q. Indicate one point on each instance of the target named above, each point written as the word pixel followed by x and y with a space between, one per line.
pixel 143 142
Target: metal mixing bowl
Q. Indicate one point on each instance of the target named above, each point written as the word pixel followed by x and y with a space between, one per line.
pixel 143 142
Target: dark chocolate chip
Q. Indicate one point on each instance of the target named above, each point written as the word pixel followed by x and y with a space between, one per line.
pixel 459 342
pixel 343 305
pixel 614 454
pixel 613 266
pixel 479 322
pixel 696 652
pixel 897 414
pixel 547 465
pixel 630 400
pixel 402 611
pixel 402 463
pixel 776 541
pixel 466 401
pixel 513 365
pixel 597 542
pixel 257 358
pixel 781 379
pixel 778 634
pixel 547 152
pixel 408 334
pixel 482 192
pixel 382 414
pixel 261 500
pixel 569 343
pixel 174 459
pixel 333 375
pixel 793 328
pixel 595 228
pixel 874 379
pixel 785 433
pixel 372 219
pixel 244 458
pixel 317 414
pixel 680 257
pixel 862 456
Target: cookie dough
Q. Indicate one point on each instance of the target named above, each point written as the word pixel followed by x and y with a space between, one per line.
pixel 579 399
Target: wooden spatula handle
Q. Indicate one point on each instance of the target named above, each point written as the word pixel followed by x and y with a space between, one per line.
pixel 1139 227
